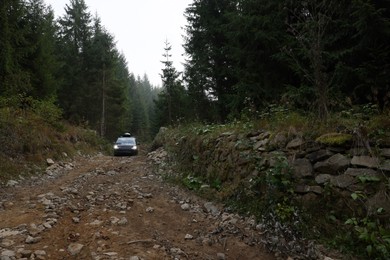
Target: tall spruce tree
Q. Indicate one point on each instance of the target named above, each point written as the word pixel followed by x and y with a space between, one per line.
pixel 116 87
pixel 14 79
pixel 256 30
pixel 75 36
pixel 124 116
pixel 209 69
pixel 142 99
pixel 171 101
pixel 100 63
pixel 140 123
pixel 96 77
pixel 41 61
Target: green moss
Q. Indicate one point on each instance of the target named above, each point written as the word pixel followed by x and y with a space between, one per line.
pixel 334 139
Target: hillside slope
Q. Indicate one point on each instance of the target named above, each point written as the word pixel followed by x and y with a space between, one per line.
pixel 30 136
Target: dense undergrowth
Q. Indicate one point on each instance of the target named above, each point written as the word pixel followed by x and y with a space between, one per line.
pixel 29 135
pixel 347 225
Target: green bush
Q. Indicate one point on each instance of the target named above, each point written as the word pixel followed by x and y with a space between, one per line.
pixel 47 110
pixel 371 235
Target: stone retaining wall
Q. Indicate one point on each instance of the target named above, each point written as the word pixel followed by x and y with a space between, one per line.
pixel 349 167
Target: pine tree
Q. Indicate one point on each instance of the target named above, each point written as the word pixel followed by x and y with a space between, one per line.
pixel 117 86
pixel 255 31
pixel 14 79
pixel 41 61
pixel 101 61
pixel 209 70
pixel 75 36
pixel 142 96
pixel 169 78
pixel 140 122
pixel 96 75
pixel 171 101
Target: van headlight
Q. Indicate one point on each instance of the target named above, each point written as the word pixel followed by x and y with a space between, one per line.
pixel 134 147
pixel 115 146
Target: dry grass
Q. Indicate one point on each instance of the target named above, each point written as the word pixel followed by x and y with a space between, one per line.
pixel 27 140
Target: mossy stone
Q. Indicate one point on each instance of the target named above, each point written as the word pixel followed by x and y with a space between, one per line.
pixel 334 139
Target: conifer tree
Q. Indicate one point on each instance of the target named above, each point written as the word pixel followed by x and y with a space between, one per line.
pixel 255 32
pixel 209 69
pixel 41 61
pixel 14 79
pixel 171 101
pixel 116 87
pixel 75 37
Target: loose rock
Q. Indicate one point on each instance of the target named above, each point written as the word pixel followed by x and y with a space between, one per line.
pixel 75 248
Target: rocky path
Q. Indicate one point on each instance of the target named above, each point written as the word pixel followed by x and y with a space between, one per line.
pixel 116 208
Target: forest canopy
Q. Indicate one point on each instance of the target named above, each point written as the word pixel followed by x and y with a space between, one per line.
pixel 71 62
pixel 241 57
pixel 244 56
pixel 312 55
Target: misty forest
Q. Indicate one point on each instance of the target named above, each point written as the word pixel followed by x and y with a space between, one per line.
pixel 281 109
pixel 241 57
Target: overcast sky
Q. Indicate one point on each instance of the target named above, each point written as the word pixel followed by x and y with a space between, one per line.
pixel 140 28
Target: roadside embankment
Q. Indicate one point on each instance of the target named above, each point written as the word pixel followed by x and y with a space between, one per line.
pixel 332 188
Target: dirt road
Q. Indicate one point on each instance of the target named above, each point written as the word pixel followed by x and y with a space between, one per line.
pixel 116 208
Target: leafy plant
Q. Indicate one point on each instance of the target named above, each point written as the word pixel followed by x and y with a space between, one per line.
pixel 279 176
pixel 192 183
pixel 216 184
pixel 373 236
pixel 47 110
pixel 284 210
pixel 358 195
pixel 367 178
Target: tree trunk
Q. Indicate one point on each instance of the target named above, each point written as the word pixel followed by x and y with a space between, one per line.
pixel 103 121
pixel 320 81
